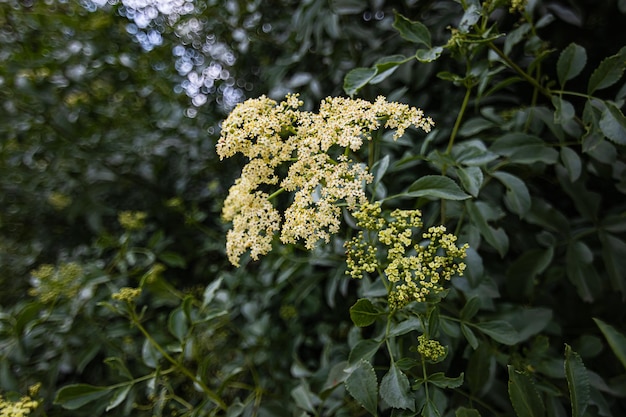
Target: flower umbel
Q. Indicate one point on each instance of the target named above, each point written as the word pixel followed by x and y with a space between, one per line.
pixel 19 408
pixel 50 282
pixel 430 349
pixel 306 154
pixel 415 271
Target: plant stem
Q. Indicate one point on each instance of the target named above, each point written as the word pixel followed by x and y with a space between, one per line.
pixel 209 393
pixel 546 92
pixel 459 118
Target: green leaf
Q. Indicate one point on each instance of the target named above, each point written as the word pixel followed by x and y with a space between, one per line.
pixel 466 412
pixel 415 32
pixel 150 355
pixel 495 237
pixel 523 148
pixel 395 389
pixel 75 396
pixel 471 178
pixel 363 350
pixel 580 272
pixel 362 385
pixel 572 162
pixel 430 409
pixel 177 324
pixel 522 272
pixel 386 66
pixel 118 365
pixel 517 196
pixel 304 398
pixel 470 309
pixel 210 290
pixel 499 330
pixel 565 111
pixel 470 17
pixel 380 168
pixel 617 341
pixel 608 72
pixel 363 313
pixel 429 55
pixel 119 395
pixel 436 186
pixel 173 259
pixel 613 124
pixel 614 255
pixel 524 396
pixel 469 336
pixel 571 62
pixel 440 380
pixel 577 382
pixel 388 62
pixel 357 79
pixel 347 7
pixel 481 369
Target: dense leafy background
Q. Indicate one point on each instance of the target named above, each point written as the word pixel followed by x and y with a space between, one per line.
pixel 115 107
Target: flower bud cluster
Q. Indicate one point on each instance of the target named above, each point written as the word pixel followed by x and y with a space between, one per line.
pixel 295 151
pixel 430 349
pixel 50 282
pixel 415 271
pixel 20 408
pixel 127 294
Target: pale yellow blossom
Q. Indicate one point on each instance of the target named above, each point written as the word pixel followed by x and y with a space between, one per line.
pixel 297 152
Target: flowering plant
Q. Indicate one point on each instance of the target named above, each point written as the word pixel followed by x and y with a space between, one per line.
pixel 314 156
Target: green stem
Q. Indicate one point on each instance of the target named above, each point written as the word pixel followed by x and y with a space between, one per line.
pixel 455 131
pixel 276 193
pixel 209 393
pixel 459 118
pixel 546 92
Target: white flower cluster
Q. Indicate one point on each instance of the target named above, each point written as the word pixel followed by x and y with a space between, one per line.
pixel 289 150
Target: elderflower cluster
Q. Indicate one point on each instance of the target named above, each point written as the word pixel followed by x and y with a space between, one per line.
pixel 132 220
pixel 293 151
pixel 19 408
pixel 430 349
pixel 50 282
pixel 127 294
pixel 415 271
pixel 517 6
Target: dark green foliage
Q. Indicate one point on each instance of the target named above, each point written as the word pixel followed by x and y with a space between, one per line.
pixel 526 164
